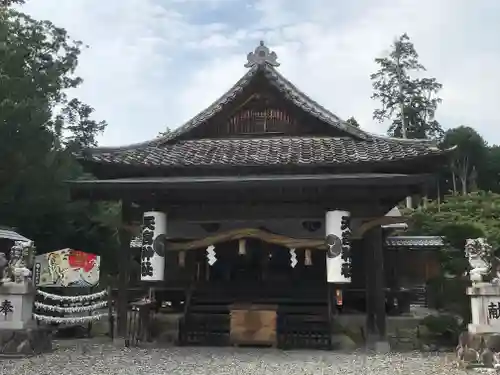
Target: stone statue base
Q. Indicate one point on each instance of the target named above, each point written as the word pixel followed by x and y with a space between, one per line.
pixel 485 308
pixel 16 305
pixel 19 333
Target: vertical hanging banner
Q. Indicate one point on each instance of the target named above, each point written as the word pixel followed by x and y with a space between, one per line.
pixel 338 257
pixel 154 230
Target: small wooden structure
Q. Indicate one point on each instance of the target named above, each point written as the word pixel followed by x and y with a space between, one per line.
pixel 253 325
pixel 265 199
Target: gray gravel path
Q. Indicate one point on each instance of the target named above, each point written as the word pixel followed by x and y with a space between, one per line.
pixel 104 359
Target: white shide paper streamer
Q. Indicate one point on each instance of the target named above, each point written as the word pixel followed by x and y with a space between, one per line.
pixel 69 319
pixel 82 298
pixel 71 309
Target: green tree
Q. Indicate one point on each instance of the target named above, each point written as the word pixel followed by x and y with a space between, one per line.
pixel 489 173
pixel 82 129
pixel 7 3
pixel 352 121
pixel 408 102
pixel 457 218
pixel 479 211
pixel 37 64
pixel 468 159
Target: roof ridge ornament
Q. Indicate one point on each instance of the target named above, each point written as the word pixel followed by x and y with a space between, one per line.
pixel 262 56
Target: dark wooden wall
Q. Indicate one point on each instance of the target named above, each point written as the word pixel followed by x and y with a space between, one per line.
pixel 411 267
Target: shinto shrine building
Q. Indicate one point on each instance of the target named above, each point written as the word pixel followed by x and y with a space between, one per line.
pixel 266 213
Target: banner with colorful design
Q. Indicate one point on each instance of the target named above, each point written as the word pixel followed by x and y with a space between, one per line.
pixel 66 268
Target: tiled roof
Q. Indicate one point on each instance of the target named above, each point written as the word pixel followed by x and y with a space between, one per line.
pixel 278 151
pixel 171 150
pixel 289 91
pixel 415 241
pixel 276 79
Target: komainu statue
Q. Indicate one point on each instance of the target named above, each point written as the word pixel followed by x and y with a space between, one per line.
pixel 485 266
pixel 17 269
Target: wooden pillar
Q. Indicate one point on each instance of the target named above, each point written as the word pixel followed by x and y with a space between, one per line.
pixel 397 274
pixel 331 306
pixel 369 281
pixel 396 283
pixel 379 282
pixel 124 268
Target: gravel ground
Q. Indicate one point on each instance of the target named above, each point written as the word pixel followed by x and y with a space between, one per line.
pixel 91 358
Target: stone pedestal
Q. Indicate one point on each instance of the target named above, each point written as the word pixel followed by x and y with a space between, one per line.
pixel 480 346
pixel 16 305
pixel 485 308
pixel 19 333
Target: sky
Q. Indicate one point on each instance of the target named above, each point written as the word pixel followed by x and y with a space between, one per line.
pixel 153 64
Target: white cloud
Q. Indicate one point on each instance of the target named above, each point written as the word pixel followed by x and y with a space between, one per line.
pixel 155 63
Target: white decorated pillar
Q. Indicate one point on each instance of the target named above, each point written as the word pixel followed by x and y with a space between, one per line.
pixel 337 239
pixel 154 230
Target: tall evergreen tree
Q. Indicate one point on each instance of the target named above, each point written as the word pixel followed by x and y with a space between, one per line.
pixel 409 102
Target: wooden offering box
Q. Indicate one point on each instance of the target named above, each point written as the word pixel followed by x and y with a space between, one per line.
pixel 253 325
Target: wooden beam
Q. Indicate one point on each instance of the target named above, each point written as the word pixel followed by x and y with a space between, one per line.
pixel 360 200
pixel 236 234
pixel 220 212
pixel 204 183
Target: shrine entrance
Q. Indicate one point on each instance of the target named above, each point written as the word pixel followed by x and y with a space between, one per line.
pixel 254 295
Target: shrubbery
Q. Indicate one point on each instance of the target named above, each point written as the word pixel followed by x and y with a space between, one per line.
pixel 457 218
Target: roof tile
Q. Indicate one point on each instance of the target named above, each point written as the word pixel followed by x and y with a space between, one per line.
pixel 279 151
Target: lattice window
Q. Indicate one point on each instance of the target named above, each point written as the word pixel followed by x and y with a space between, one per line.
pixel 269 120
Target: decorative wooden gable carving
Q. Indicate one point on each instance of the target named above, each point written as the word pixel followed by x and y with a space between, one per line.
pixel 259 106
pixel 260 115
